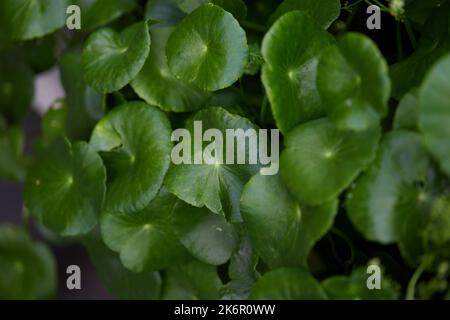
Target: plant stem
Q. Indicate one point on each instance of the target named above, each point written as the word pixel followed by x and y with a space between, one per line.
pixel 412 37
pixel 399 40
pixel 263 109
pixel 411 290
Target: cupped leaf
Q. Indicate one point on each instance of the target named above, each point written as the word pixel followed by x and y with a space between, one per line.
pixel 323 12
pixel 208 48
pixel 191 281
pixel 157 86
pixel 65 187
pixel 320 161
pixel 291 50
pixel 27 19
pixel 287 284
pixel 111 60
pixel 16 89
pixel 389 193
pixel 12 164
pixel 27 268
pixel 96 13
pixel 207 236
pixel 134 141
pixel 354 83
pixel 282 231
pixel 355 287
pixel 120 282
pixel 145 239
pixel 434 112
pixel 407 114
pixel 211 182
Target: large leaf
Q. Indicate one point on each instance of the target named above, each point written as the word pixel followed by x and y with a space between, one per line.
pixel 287 284
pixel 120 282
pixel 208 48
pixel 27 268
pixel 217 185
pixel 96 13
pixel 434 112
pixel 65 187
pixel 145 239
pixel 134 141
pixel 16 89
pixel 353 81
pixel 191 281
pixel 291 49
pixel 157 86
pixel 27 19
pixel 206 235
pixel 111 60
pixel 324 12
pixel 354 287
pixel 320 161
pixel 282 231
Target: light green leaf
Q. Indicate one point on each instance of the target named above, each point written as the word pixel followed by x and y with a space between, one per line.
pixel 111 60
pixel 157 86
pixel 208 48
pixel 27 19
pixel 218 185
pixel 27 268
pixel 120 282
pixel 282 231
pixel 134 141
pixel 320 161
pixel 324 12
pixel 291 50
pixel 207 236
pixel 287 284
pixel 434 112
pixel 65 187
pixel 96 13
pixel 406 116
pixel 354 83
pixel 145 239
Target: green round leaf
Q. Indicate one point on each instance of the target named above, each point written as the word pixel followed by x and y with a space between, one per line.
pixel 120 282
pixel 324 12
pixel 27 268
pixel 355 287
pixel 217 186
pixel 134 141
pixel 320 161
pixel 145 239
pixel 65 187
pixel 112 60
pixel 207 236
pixel 208 48
pixel 96 13
pixel 407 114
pixel 27 19
pixel 291 50
pixel 354 83
pixel 16 89
pixel 287 284
pixel 282 231
pixel 434 112
pixel 157 86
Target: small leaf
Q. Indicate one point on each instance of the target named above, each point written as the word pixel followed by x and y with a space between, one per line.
pixel 406 117
pixel 207 236
pixel 208 48
pixel 145 239
pixel 12 166
pixel 255 60
pixel 65 187
pixel 353 82
pixel 157 86
pixel 134 141
pixel 282 231
pixel 27 268
pixel 324 12
pixel 287 284
pixel 112 60
pixel 291 50
pixel 54 122
pixel 191 281
pixel 320 161
pixel 96 13
pixel 434 112
pixel 120 282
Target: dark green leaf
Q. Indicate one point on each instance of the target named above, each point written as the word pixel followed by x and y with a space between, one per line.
pixel 96 13
pixel 406 117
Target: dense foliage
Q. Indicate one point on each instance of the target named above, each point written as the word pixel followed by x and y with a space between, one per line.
pixel 364 158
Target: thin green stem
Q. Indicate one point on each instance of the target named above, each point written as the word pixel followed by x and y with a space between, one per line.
pixel 263 109
pixel 411 36
pixel 399 40
pixel 411 289
pixel 348 7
